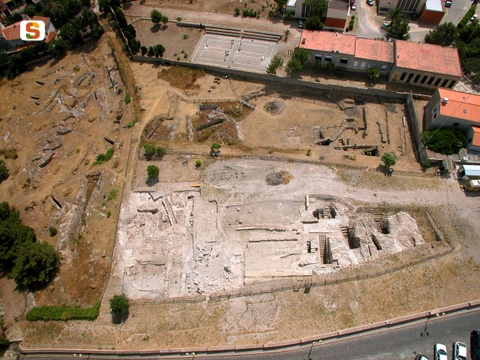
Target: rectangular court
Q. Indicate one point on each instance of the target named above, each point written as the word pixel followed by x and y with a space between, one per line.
pixel 234 52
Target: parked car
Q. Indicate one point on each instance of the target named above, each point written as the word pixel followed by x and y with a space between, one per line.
pixel 421 357
pixel 370 2
pixel 386 24
pixel 474 17
pixel 440 352
pixel 300 24
pixel 459 351
pixel 475 344
pixel 448 3
pixel 353 6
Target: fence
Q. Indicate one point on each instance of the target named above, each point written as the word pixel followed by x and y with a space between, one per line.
pixel 415 129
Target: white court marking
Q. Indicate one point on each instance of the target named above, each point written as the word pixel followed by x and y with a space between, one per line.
pixel 234 52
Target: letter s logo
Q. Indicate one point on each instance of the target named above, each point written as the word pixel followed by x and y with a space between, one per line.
pixel 32 30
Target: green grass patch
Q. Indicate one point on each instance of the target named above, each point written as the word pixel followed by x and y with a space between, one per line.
pixel 101 158
pixel 63 313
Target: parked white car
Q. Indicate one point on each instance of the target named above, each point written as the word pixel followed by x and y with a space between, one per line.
pixel 459 351
pixel 440 352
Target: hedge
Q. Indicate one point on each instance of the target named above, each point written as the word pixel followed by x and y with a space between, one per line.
pixel 63 313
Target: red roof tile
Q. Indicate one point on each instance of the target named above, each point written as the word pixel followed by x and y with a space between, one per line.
pixel 476 136
pixel 328 41
pixel 428 57
pixel 50 37
pixel 45 19
pixel 370 49
pixel 12 32
pixel 460 105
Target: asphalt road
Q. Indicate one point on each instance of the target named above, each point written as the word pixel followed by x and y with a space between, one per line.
pixel 396 343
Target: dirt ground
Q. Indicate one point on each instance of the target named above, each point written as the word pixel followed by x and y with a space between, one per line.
pixel 79 111
pixel 57 121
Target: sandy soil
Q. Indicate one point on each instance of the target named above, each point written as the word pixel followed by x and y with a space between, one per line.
pixel 87 222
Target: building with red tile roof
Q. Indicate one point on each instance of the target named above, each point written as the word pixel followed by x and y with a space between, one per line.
pixel 451 109
pixel 426 65
pixel 422 65
pixel 10 36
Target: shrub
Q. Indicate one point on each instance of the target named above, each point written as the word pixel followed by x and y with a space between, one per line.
pixel 63 313
pixel 36 265
pixel 149 151
pixel 198 163
pixel 4 173
pixel 373 74
pixel 127 98
pixel 119 305
pixel 330 66
pixel 215 146
pixel 444 141
pixel 309 152
pixel 236 11
pixel 101 158
pixel 152 171
pixel 53 231
pixel 388 160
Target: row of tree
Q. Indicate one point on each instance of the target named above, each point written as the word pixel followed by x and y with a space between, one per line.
pixel 32 265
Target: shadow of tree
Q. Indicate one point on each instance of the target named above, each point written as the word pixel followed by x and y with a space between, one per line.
pixel 118 318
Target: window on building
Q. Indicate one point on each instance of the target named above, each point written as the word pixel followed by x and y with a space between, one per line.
pixel 362 65
pixel 355 63
pixel 384 67
pixel 417 78
pixel 410 76
pixel 403 76
pixel 445 82
pixel 456 124
pixel 452 84
pixel 328 58
pixel 344 61
pixel 437 82
pixel 430 80
pixel 424 79
pixel 318 57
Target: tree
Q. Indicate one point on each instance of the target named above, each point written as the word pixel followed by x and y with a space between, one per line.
pixel 286 34
pixel 236 11
pixel 388 160
pixel 71 35
pixel 164 20
pixel 313 23
pixel 316 8
pixel 281 6
pixel 444 35
pixel 156 16
pixel 35 266
pixel 30 11
pixel 159 50
pixel 444 141
pixel 3 171
pixel 144 50
pixel 151 52
pixel 293 66
pixel 152 171
pixel 399 26
pixel 373 74
pixel 57 47
pixel 149 151
pixel 301 54
pixel 119 306
pixel 275 63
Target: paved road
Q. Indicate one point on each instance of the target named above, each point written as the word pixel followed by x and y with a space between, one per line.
pixel 400 342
